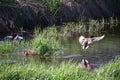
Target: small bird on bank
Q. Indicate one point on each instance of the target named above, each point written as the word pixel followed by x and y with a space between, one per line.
pixel 85 42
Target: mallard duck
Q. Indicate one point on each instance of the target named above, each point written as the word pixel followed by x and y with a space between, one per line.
pixel 14 38
pixel 86 41
pixel 17 38
pixel 85 64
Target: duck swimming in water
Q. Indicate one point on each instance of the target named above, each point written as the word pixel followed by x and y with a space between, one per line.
pixel 86 41
pixel 14 38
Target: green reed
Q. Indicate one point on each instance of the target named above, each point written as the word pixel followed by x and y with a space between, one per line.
pixel 44 46
pixel 110 71
pixel 42 71
pixel 62 71
pixel 50 32
pixel 9 47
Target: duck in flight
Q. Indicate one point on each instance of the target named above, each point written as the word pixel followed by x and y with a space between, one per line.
pixel 85 42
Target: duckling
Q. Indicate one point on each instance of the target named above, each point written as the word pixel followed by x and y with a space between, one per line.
pixel 28 53
pixel 86 41
pixel 85 64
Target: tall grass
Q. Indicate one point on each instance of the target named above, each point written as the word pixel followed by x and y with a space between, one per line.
pixel 96 25
pixel 36 31
pixel 9 47
pixel 44 46
pixel 50 32
pixel 63 71
pixel 6 47
pixel 91 26
pixel 110 71
pixel 72 28
pixel 33 71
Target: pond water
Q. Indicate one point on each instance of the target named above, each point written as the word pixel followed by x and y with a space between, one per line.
pixel 98 53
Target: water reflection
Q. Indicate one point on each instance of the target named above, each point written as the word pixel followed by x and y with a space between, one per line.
pixel 98 54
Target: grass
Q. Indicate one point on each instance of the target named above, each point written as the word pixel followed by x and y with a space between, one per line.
pixel 44 46
pixel 82 27
pixel 52 7
pixel 110 71
pixel 63 71
pixel 50 32
pixel 9 47
pixel 6 47
pixel 32 71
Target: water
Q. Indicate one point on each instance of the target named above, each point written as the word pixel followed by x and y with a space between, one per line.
pixel 98 53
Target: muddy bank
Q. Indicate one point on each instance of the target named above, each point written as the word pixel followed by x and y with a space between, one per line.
pixel 71 10
pixel 26 16
pixel 22 16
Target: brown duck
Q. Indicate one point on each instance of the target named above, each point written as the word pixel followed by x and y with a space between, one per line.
pixel 86 41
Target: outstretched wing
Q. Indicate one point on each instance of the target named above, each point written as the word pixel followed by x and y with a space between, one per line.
pixel 94 39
